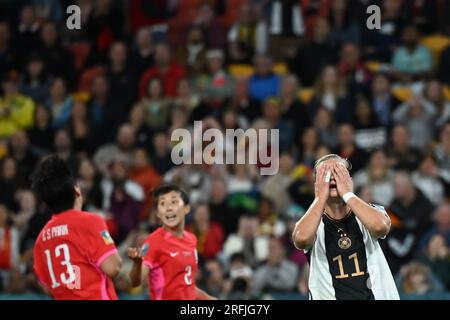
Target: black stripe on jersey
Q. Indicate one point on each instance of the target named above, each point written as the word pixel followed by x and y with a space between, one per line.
pixel 348 283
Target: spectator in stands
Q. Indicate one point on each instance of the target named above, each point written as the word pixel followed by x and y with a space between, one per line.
pixel 347 148
pixel 35 83
pixel 60 103
pixel 442 150
pixel 326 128
pixel 217 86
pixel 209 233
pixel 412 209
pixel 424 14
pixel 412 61
pixel 48 10
pixel 292 109
pixel 121 79
pixel 9 182
pixel 8 55
pixel 169 72
pixel 307 147
pixel 125 141
pixel 441 226
pixel 146 176
pixel 41 135
pixel 58 60
pixel 444 64
pixel 9 247
pixel 214 279
pixel 220 209
pixel 277 275
pixel 433 93
pixel 156 105
pixel 331 93
pixel 286 28
pixel 215 33
pixel 186 97
pixel 247 36
pixel 269 223
pixel 82 133
pixel 193 54
pixel 437 258
pixel 104 25
pixel 88 179
pixel 105 113
pixel 27 33
pixel 16 110
pixel 241 101
pixel 369 133
pixel 144 134
pixel 383 101
pixel 418 115
pixel 272 114
pixel 255 248
pixel 122 197
pixel 313 55
pixel 275 190
pixel 264 83
pixel 429 180
pixel 379 44
pixel 238 284
pixel 352 68
pixel 344 27
pixel 378 177
pixel 417 279
pixel 142 57
pixel 25 157
pixel 401 154
pixel 63 148
pixel 161 158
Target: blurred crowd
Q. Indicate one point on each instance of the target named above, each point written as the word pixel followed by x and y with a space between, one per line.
pixel 107 97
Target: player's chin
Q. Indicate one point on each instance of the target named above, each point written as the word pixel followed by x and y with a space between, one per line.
pixel 334 193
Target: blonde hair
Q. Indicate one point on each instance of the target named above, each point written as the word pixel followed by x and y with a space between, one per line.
pixel 326 157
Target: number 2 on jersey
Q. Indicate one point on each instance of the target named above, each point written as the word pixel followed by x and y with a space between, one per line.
pixel 66 262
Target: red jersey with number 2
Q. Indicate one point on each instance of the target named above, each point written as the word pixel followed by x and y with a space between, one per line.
pixel 173 264
pixel 68 253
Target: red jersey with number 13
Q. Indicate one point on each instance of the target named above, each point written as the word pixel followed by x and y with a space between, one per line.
pixel 68 253
pixel 173 264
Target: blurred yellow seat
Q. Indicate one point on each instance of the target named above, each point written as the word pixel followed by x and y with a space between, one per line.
pixel 447 92
pixel 240 70
pixel 402 93
pixel 306 94
pixel 82 96
pixel 373 66
pixel 281 68
pixel 436 44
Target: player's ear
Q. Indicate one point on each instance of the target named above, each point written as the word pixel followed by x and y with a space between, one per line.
pixel 187 209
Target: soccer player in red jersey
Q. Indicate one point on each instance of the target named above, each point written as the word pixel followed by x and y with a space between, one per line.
pixel 74 255
pixel 168 257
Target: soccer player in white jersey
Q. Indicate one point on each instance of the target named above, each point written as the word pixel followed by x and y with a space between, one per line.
pixel 339 234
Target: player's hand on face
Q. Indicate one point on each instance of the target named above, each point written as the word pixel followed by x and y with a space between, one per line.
pixel 135 254
pixel 344 182
pixel 322 184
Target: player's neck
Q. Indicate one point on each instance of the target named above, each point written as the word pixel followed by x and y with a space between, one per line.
pixel 177 231
pixel 336 208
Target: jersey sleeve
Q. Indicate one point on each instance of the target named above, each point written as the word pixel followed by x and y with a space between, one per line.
pixel 150 254
pixel 98 241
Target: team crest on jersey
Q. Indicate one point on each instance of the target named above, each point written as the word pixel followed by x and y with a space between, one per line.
pixel 144 249
pixel 106 237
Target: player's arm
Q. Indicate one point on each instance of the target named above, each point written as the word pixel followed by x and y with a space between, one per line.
pixel 139 270
pixel 378 223
pixel 111 265
pixel 202 295
pixel 305 230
